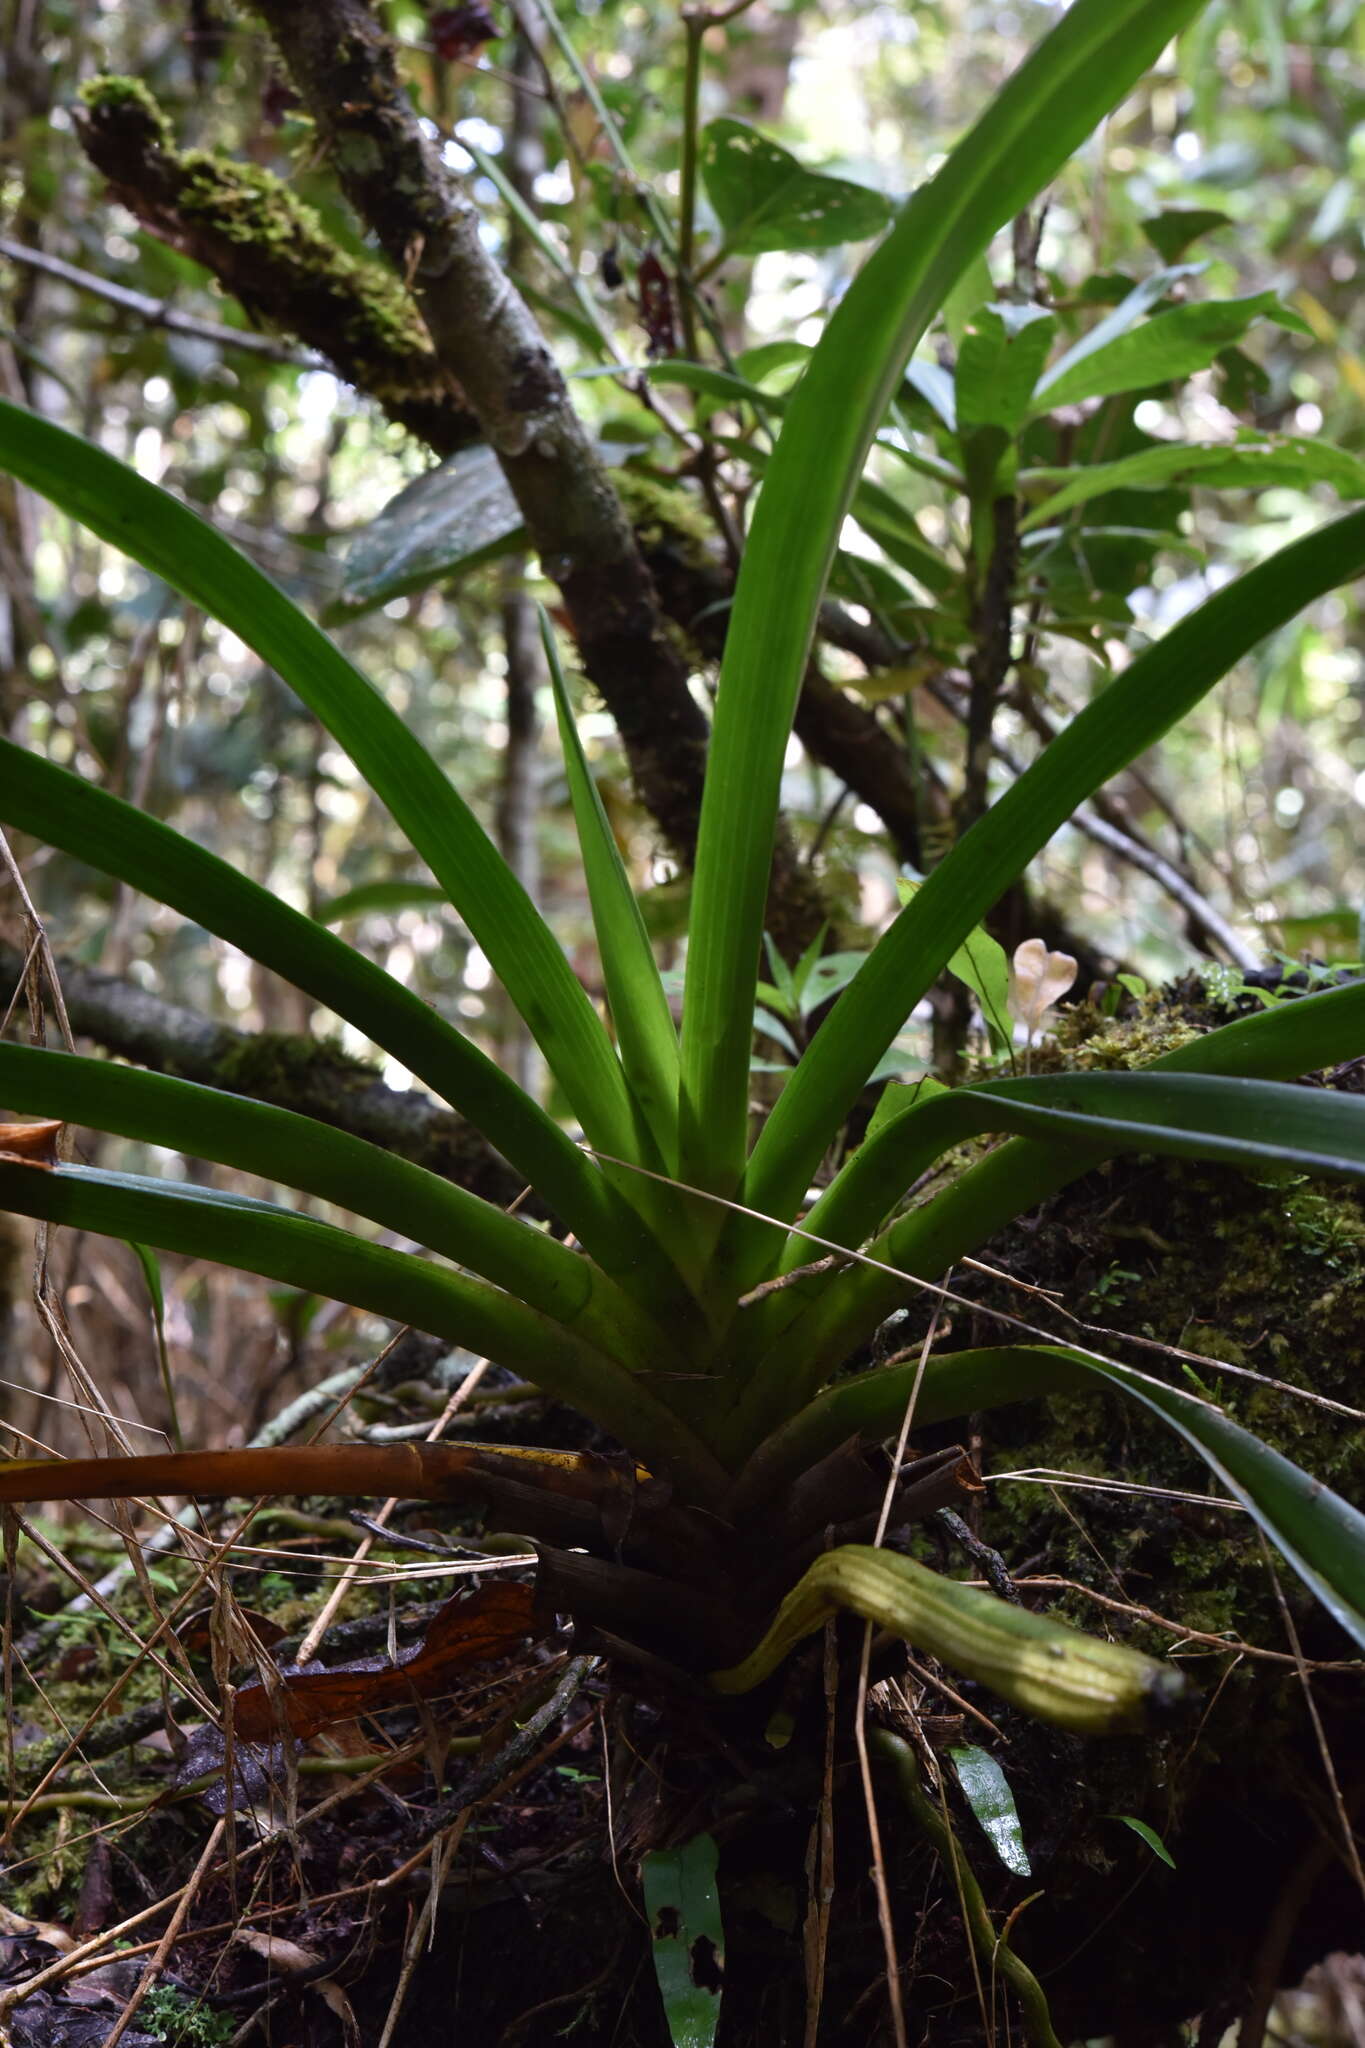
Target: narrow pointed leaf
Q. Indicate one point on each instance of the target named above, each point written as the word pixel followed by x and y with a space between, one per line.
pixel 1083 67
pixel 1132 714
pixel 1248 1123
pixel 1169 345
pixel 802 1333
pixel 113 501
pixel 395 894
pixel 1241 465
pixel 300 1152
pixel 61 809
pixel 639 1007
pixel 259 1237
pixel 1120 319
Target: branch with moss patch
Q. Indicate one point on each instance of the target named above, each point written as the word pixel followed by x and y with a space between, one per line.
pixel 315 1079
pixel 274 255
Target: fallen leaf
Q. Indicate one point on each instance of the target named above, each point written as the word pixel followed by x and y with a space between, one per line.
pixel 466 1630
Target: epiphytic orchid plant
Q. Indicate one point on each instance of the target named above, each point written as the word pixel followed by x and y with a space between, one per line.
pixel 665 1326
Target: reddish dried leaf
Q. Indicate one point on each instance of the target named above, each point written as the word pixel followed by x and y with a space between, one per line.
pixel 195 1632
pixel 29 1144
pixel 459 31
pixel 277 98
pixel 656 306
pixel 467 1630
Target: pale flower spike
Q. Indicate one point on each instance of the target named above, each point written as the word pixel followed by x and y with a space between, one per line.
pixel 1038 979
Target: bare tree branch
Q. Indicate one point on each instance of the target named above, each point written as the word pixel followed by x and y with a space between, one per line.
pixel 157 312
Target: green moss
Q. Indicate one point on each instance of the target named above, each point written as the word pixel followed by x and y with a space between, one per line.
pixel 48 1877
pixel 269 1064
pixel 129 99
pixel 250 205
pixel 1241 1281
pixel 379 332
pixel 1084 1040
pixel 663 515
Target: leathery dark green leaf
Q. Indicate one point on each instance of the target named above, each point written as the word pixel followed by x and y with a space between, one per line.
pixel 114 502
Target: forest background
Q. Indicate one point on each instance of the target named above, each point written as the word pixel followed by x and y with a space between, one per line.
pixel 609 151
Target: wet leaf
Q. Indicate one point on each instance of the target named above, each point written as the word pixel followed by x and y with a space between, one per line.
pixel 687 1937
pixel 449 520
pixel 987 1792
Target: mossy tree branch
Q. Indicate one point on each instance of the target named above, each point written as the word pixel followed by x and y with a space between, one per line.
pixel 343 66
pixel 489 374
pixel 274 255
pixel 314 1079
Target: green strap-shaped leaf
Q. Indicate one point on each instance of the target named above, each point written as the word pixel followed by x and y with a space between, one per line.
pixel 1131 715
pixel 881 514
pixel 398 893
pixel 1087 1118
pixel 57 807
pixel 1318 1533
pixel 1185 1115
pixel 1089 61
pixel 639 1007
pixel 300 1152
pixel 113 501
pixel 258 1237
pixel 800 1333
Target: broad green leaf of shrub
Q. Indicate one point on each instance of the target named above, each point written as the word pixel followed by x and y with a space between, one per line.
pixel 1169 345
pixel 765 199
pixel 998 364
pixel 446 522
pixel 1244 464
pixel 1171 231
